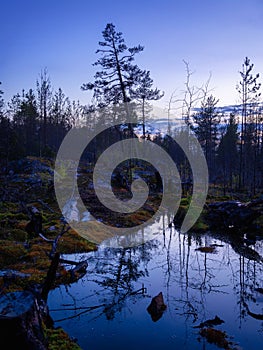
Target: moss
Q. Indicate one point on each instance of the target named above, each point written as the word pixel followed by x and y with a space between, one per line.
pixel 58 339
pixel 185 201
pixel 138 218
pixel 17 235
pixel 94 232
pixel 180 215
pixel 72 242
pixel 9 206
pixel 200 226
pixel 50 218
pixel 11 252
pixel 13 216
pixel 31 256
pixel 21 224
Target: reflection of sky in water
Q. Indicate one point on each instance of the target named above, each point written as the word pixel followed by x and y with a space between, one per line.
pixel 195 286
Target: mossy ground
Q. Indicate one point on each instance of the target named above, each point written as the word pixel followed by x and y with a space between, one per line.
pixel 216 194
pixel 29 254
pixel 58 339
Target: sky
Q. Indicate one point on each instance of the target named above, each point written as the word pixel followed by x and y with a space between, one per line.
pixel 214 37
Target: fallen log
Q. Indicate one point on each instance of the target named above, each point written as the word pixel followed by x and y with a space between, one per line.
pixel 68 262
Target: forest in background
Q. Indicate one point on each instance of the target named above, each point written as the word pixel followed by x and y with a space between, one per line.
pixel 34 122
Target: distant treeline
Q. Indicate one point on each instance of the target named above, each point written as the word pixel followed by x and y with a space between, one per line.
pixel 36 121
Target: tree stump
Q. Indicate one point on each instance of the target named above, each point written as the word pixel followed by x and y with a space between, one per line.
pixel 34 227
pixel 20 321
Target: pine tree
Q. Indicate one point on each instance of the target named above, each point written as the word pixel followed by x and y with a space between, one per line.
pixel 29 114
pixel 248 89
pixel 1 101
pixel 118 75
pixel 25 122
pixel 206 127
pixel 59 121
pixel 9 143
pixel 144 92
pixel 227 154
pixel 4 130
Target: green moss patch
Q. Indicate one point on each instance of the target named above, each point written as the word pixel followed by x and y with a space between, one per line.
pixel 10 253
pixel 58 339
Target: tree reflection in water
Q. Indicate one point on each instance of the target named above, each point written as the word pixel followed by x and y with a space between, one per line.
pixel 196 285
pixel 117 272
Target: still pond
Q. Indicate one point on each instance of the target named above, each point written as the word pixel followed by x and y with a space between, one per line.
pixel 109 307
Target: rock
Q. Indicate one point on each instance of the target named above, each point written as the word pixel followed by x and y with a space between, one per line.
pixel 70 211
pixel 232 214
pixel 246 251
pixel 217 337
pixel 210 323
pixel 157 307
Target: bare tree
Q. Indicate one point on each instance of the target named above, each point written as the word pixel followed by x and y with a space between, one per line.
pixel 189 98
pixel 44 104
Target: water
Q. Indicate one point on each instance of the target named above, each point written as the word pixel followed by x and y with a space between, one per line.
pixel 107 308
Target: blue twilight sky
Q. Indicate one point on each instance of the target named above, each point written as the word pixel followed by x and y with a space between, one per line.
pixel 62 35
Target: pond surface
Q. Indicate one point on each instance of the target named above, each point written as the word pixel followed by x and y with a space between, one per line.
pixel 107 308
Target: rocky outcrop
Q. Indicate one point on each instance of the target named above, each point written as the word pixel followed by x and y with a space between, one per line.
pixel 233 215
